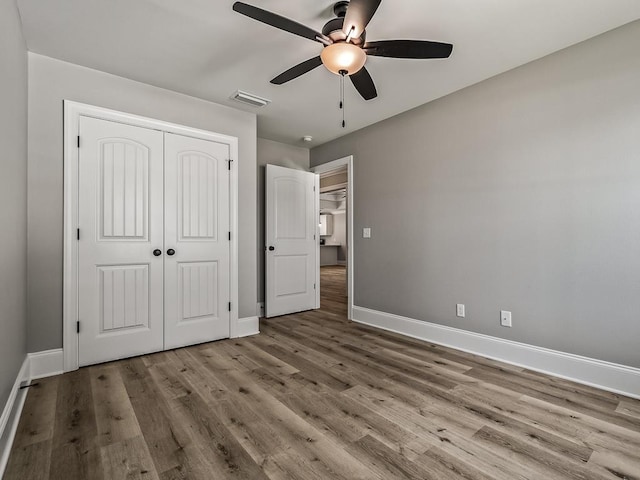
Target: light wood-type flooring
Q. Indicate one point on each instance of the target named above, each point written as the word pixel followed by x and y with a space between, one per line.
pixel 317 397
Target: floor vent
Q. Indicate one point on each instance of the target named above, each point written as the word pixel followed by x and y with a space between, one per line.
pixel 250 99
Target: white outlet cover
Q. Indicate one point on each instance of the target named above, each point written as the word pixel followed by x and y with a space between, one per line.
pixel 366 232
pixel 505 318
pixel 460 310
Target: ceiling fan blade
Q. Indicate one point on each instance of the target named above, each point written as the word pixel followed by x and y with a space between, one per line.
pixel 359 14
pixel 364 84
pixel 408 49
pixel 279 22
pixel 295 72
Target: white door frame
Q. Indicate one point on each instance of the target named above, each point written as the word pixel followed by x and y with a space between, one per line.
pixel 72 113
pixel 328 167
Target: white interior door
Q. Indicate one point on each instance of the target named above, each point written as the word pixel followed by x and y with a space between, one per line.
pixel 291 223
pixel 197 241
pixel 120 216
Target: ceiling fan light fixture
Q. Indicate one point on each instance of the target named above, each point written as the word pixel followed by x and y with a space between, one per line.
pixel 343 56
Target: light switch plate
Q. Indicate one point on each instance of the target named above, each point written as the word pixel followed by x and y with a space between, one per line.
pixel 366 232
pixel 505 318
pixel 460 310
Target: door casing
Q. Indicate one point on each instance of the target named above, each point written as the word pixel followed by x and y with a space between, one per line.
pixel 72 113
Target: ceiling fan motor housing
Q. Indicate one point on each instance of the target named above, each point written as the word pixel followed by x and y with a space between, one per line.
pixel 333 30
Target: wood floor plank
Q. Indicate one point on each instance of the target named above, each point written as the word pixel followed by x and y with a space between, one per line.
pixel 200 377
pixel 616 466
pixel 579 424
pixel 560 388
pixel 115 418
pixel 525 453
pixel 629 407
pixel 30 461
pixel 258 438
pixel 588 390
pixel 416 420
pixel 519 425
pixel 316 397
pixel 36 424
pixel 75 449
pixel 444 466
pixel 300 435
pixel 128 459
pixel 224 454
pixel 387 463
pixel 251 349
pixel 562 398
pixel 153 416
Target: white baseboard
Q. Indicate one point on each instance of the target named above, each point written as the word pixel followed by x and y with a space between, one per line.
pixel 46 363
pixel 608 376
pixel 11 415
pixel 248 326
pixel 35 365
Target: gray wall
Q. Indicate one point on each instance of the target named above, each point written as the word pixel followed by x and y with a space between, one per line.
pixel 13 198
pixel 283 155
pixel 50 82
pixel 520 193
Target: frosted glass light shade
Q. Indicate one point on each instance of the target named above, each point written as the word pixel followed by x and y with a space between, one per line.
pixel 343 56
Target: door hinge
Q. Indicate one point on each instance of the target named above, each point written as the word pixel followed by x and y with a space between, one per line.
pixel 78 326
pixel 78 233
pixel 229 236
pixel 78 141
pixel 314 286
pixel 314 188
pixel 229 306
pixel 229 162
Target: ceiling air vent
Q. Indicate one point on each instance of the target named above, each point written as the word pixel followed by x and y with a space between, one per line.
pixel 250 99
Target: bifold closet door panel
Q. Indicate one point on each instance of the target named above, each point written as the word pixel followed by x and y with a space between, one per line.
pixel 120 280
pixel 197 245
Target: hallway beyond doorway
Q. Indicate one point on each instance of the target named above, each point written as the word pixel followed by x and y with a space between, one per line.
pixel 333 289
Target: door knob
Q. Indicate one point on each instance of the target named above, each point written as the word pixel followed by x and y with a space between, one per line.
pixel 171 252
pixel 157 252
pixel 271 248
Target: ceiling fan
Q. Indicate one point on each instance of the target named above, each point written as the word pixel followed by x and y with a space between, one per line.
pixel 345 48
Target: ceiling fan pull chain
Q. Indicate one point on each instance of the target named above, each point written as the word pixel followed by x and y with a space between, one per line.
pixel 342 75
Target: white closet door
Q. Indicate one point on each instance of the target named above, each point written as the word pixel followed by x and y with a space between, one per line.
pixel 291 224
pixel 120 200
pixel 197 246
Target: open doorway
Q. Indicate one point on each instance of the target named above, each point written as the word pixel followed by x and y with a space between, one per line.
pixel 333 245
pixel 336 236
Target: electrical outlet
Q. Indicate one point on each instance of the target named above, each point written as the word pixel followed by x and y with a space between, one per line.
pixel 460 310
pixel 505 318
pixel 366 232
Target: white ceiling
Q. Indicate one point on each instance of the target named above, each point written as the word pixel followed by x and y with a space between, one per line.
pixel 203 48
